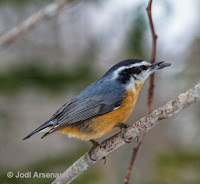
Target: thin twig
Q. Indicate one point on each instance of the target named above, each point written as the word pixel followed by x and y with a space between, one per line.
pixel 133 157
pixel 32 22
pixel 153 56
pixel 143 125
pixel 150 92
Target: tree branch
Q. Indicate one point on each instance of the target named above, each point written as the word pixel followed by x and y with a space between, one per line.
pixel 32 22
pixel 143 125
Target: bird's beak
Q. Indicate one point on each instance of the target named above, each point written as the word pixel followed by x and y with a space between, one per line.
pixel 159 65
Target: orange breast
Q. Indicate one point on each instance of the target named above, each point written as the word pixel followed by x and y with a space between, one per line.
pixel 103 124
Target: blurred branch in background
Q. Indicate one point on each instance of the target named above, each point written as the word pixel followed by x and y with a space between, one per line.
pixel 32 22
pixel 143 125
pixel 153 56
pixel 150 93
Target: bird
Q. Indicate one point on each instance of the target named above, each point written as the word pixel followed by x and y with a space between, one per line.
pixel 105 104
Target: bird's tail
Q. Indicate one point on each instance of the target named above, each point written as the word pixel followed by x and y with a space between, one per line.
pixel 42 128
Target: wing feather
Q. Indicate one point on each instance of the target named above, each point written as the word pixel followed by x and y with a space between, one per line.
pixel 81 109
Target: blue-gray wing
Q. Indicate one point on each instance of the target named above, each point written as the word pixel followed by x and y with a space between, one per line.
pixel 81 109
pixel 85 108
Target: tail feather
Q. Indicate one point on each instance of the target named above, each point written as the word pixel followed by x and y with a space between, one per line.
pixel 42 127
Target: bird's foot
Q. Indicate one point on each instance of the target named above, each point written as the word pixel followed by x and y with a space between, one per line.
pixel 95 144
pixel 123 126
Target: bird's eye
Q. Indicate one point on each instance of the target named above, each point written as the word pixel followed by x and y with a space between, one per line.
pixel 138 70
pixel 144 67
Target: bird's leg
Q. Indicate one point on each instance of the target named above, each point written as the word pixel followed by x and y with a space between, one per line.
pixel 95 144
pixel 123 126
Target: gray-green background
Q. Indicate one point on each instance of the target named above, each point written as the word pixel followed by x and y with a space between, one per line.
pixel 51 64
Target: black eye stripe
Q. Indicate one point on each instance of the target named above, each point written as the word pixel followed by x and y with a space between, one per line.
pixel 138 70
pixel 124 75
pixel 144 67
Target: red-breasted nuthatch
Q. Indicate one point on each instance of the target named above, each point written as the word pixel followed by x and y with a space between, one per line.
pixel 103 105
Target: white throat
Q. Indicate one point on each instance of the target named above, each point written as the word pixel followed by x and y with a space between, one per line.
pixel 131 85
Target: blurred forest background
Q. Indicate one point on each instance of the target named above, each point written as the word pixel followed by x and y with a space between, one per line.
pixel 48 66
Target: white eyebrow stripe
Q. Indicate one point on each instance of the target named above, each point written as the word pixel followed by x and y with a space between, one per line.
pixel 115 73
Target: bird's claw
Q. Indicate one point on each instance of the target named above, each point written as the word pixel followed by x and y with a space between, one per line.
pixel 95 144
pixel 123 126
